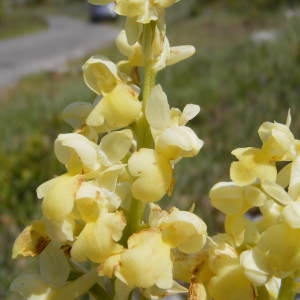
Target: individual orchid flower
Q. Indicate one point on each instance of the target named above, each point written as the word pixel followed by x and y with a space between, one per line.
pixel 31 241
pixel 58 196
pixel 100 75
pixel 77 153
pixel 271 256
pixel 149 169
pixel 119 106
pixel 279 144
pixel 232 199
pixel 218 273
pixel 129 265
pixel 133 52
pixel 146 246
pixel 252 164
pixel 180 229
pixel 171 137
pixel 232 282
pixel 99 238
pixel 289 200
pixel 115 110
pixel 278 140
pixel 162 53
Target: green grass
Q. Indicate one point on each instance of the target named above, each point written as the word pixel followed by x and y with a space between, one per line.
pixel 18 23
pixel 74 9
pixel 237 83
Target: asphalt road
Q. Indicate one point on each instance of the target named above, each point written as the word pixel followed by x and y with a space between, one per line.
pixel 65 39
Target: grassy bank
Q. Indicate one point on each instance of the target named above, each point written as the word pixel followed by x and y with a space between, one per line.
pixel 18 23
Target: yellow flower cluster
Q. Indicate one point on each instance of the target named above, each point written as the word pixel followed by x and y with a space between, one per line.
pixel 102 231
pixel 258 256
pixel 99 220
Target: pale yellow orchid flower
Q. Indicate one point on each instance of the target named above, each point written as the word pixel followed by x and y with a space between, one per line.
pixel 172 139
pixel 146 262
pixel 117 109
pixel 289 200
pixel 58 196
pixel 31 241
pixel 150 169
pixel 253 164
pixel 99 239
pixel 134 52
pixel 100 74
pixel 120 105
pixel 180 229
pixel 232 282
pixel 278 140
pixel 162 53
pixel 232 199
pixel 276 254
pixel 217 273
pixel 77 153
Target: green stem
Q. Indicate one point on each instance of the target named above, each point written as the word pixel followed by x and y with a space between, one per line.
pixel 149 82
pixel 287 291
pixel 143 132
pixel 142 128
pixel 135 217
pixel 136 213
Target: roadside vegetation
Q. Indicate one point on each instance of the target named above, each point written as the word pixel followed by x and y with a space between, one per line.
pixel 238 82
pixel 18 18
pixel 18 23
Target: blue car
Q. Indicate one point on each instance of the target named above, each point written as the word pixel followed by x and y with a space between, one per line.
pixel 100 13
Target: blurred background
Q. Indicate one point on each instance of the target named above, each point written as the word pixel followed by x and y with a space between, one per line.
pixel 246 71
